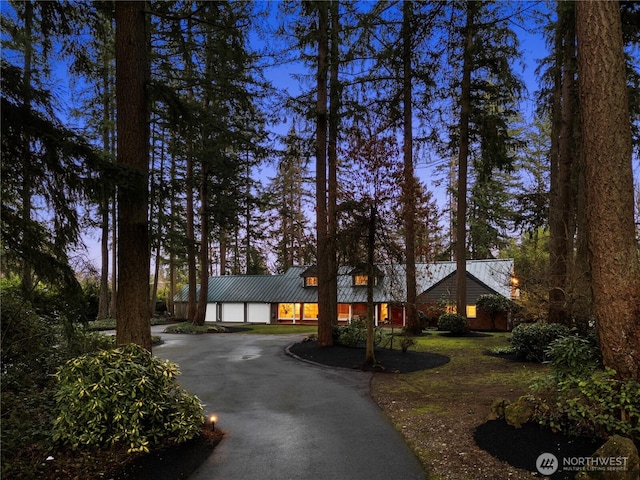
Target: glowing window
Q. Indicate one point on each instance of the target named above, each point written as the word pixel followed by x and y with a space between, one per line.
pixel 310 311
pixel 360 279
pixel 471 310
pixel 285 310
pixel 310 281
pixel 343 311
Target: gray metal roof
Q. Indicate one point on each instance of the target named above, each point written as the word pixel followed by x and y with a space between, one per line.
pixel 289 287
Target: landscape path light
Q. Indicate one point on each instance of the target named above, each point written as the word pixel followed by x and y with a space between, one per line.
pixel 213 419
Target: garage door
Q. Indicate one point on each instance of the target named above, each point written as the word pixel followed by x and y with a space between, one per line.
pixel 259 313
pixel 233 312
pixel 211 312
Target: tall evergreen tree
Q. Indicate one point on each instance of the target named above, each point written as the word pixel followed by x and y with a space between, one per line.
pixel 132 82
pixel 486 98
pixel 607 147
pixel 289 196
pixel 43 162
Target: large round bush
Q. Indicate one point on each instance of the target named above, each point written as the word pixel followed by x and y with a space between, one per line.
pixel 123 396
pixel 452 322
pixel 531 340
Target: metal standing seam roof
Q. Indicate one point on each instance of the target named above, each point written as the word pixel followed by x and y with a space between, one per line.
pixel 288 287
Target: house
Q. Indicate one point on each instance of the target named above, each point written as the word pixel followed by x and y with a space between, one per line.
pixel 292 298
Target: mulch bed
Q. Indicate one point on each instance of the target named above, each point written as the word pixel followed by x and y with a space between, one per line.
pixel 520 447
pixel 175 462
pixel 393 361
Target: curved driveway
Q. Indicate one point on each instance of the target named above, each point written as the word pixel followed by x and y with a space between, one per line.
pixel 283 418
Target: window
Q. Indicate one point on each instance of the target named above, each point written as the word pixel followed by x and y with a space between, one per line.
pixel 310 311
pixel 288 311
pixel 285 310
pixel 343 311
pixel 362 280
pixel 471 310
pixel 310 281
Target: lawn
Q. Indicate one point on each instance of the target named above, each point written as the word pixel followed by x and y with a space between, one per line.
pixel 437 410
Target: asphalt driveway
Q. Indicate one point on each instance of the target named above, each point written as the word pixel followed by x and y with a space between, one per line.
pixel 283 418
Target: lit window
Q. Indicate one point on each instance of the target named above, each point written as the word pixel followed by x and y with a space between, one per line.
pixel 310 311
pixel 360 279
pixel 343 311
pixel 310 281
pixel 471 310
pixel 285 310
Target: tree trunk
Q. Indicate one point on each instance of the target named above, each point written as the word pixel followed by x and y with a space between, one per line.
pixel 369 357
pixel 325 323
pixel 409 184
pixel 335 94
pixel 463 155
pixel 204 250
pixel 607 147
pixel 191 235
pixel 113 308
pixel 561 208
pixel 103 298
pixel 132 75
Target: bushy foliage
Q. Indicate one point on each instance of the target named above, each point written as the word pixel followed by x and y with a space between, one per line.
pixel 186 327
pixel 34 345
pixel 350 335
pixel 531 340
pixel 123 396
pixel 597 405
pixel 452 322
pixel 573 355
pixel 355 334
pixel 494 304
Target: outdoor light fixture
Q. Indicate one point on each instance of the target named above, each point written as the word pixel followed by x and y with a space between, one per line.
pixel 213 419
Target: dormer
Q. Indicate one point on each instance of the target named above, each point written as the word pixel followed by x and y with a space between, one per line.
pixel 310 277
pixel 360 276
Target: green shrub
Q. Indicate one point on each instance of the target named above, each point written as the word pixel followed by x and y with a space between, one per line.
pixel 573 355
pixel 452 322
pixel 531 340
pixel 598 405
pixel 350 335
pixel 123 396
pixel 355 334
pixel 186 327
